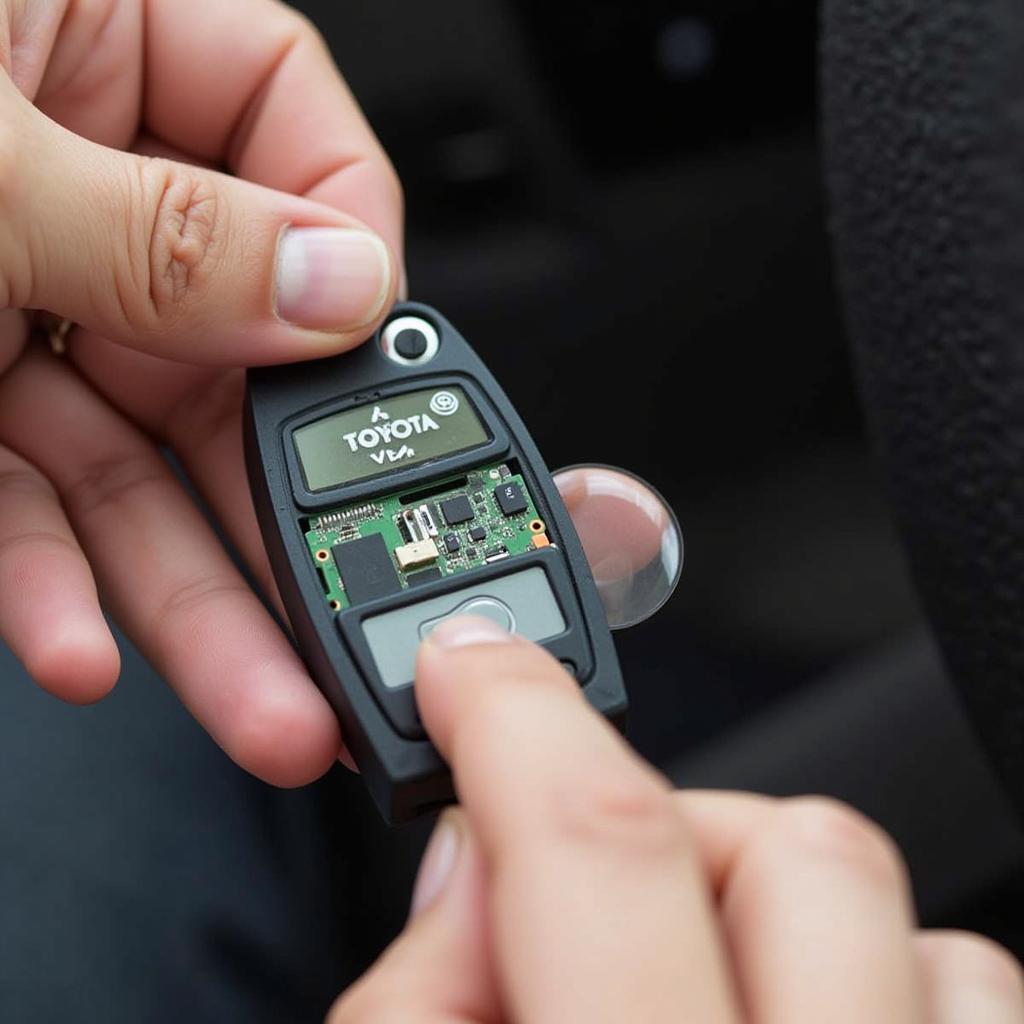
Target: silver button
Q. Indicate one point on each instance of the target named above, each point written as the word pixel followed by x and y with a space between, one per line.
pixel 521 602
pixel 488 607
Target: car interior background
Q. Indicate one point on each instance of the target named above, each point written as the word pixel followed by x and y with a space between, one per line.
pixel 621 205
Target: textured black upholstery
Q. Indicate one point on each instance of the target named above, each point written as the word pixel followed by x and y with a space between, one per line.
pixel 924 134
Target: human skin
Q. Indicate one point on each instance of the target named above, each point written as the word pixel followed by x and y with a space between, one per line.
pixel 112 114
pixel 573 884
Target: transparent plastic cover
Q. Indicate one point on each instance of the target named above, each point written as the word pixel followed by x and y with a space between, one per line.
pixel 630 536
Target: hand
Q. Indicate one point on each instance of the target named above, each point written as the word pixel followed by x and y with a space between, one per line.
pixel 177 275
pixel 573 885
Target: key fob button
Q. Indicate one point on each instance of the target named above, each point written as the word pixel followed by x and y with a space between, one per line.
pixel 410 344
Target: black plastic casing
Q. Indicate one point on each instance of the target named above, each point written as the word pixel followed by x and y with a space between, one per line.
pixel 406 776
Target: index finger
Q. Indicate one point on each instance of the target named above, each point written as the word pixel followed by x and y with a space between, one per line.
pixel 592 862
pixel 252 85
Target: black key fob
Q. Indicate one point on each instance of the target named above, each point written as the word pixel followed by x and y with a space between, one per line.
pixel 395 487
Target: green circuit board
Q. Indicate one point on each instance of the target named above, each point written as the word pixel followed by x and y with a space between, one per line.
pixel 495 519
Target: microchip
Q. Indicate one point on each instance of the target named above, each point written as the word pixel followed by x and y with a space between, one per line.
pixel 478 497
pixel 366 569
pixel 417 579
pixel 477 533
pixel 451 543
pixel 457 510
pixel 510 499
pixel 471 553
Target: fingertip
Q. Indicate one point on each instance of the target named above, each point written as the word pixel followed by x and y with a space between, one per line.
pixel 439 860
pixel 464 651
pixel 439 668
pixel 75 662
pixel 333 287
pixel 467 647
pixel 336 279
pixel 285 737
pixel 467 631
pixel 966 958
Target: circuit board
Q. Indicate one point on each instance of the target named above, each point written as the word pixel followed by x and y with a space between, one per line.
pixel 378 548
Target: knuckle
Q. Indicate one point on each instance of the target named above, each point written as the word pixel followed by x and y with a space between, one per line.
pixel 636 817
pixel 24 551
pixel 21 553
pixel 183 236
pixel 834 829
pixel 291 28
pixel 194 597
pixel 974 959
pixel 296 25
pixel 25 484
pixel 268 732
pixel 186 613
pixel 111 482
pixel 33 557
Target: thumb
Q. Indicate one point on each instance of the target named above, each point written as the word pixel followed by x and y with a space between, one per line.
pixel 439 967
pixel 179 261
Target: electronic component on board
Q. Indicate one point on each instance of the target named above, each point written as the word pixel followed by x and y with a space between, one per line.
pixel 412 556
pixel 417 579
pixel 366 569
pixel 510 499
pixel 457 510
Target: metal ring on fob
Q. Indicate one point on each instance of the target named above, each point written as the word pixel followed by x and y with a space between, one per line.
pixel 430 344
